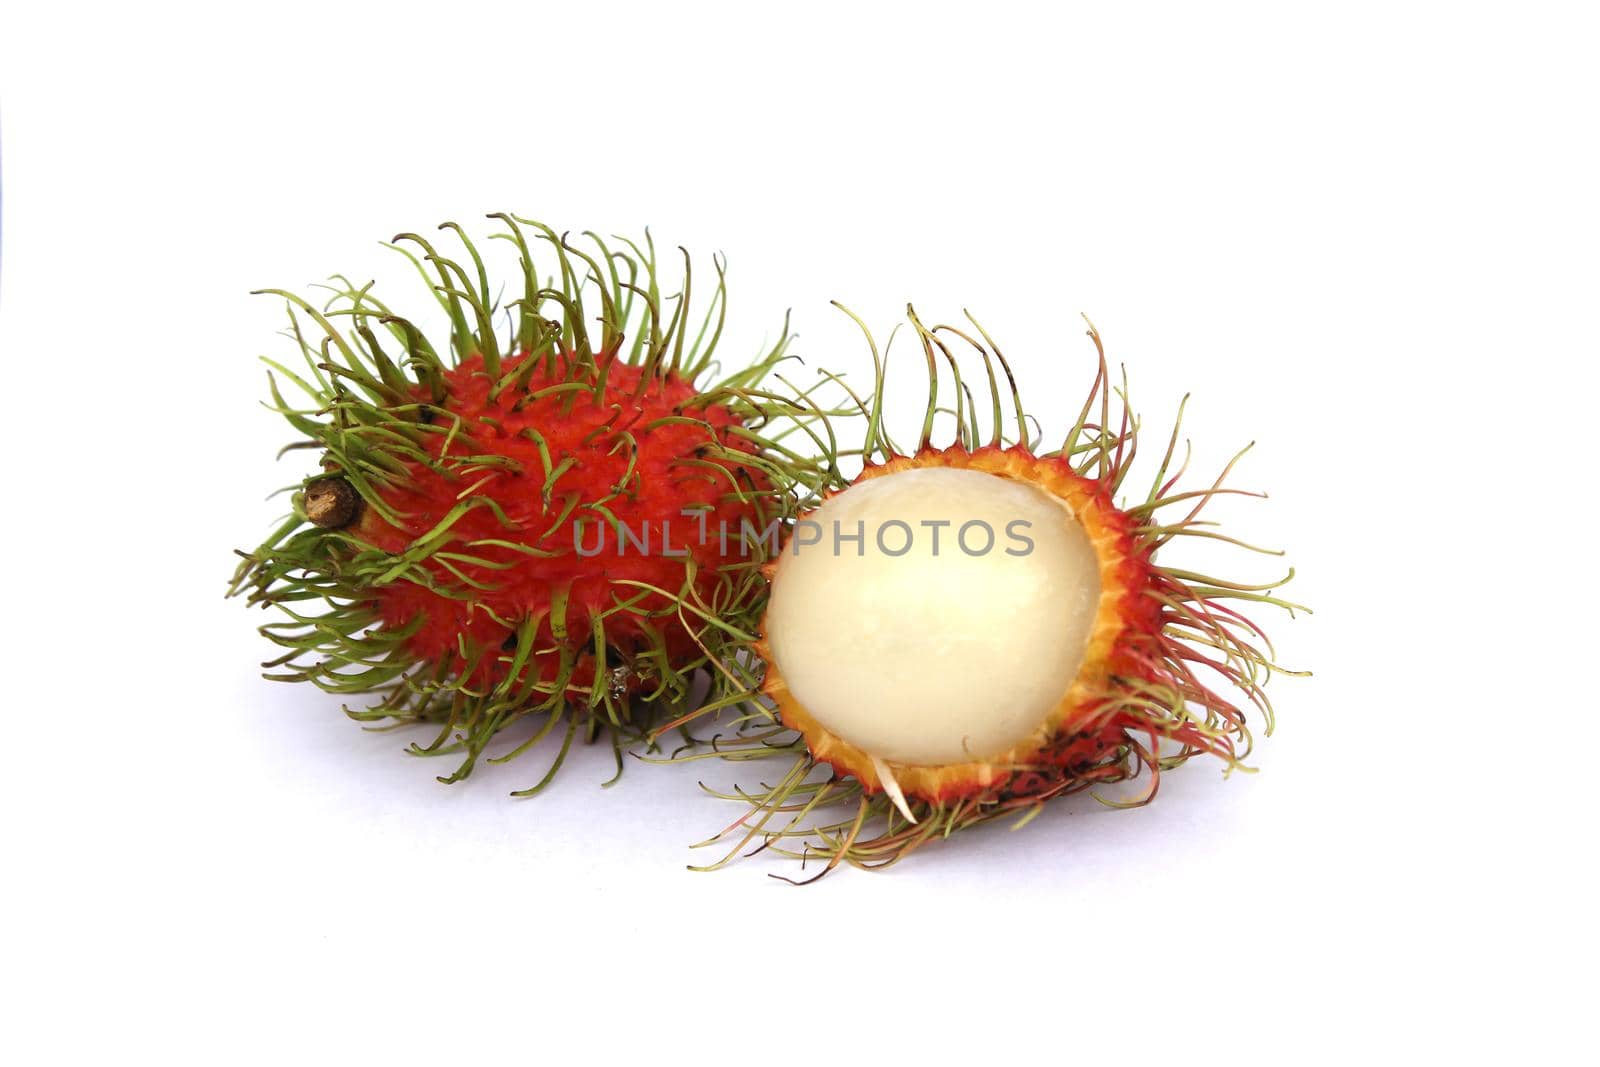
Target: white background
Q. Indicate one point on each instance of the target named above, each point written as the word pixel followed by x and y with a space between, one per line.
pixel 1364 237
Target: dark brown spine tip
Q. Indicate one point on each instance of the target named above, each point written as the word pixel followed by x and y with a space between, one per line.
pixel 331 503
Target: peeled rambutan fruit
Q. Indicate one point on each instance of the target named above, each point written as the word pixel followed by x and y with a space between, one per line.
pixel 964 632
pixel 559 517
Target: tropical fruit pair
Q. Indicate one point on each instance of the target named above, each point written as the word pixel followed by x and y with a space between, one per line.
pixel 566 512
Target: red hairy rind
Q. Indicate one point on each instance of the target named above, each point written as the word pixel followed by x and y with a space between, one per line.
pixel 629 450
pixel 498 529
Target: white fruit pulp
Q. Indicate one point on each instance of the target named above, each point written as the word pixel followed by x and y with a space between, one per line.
pixel 946 653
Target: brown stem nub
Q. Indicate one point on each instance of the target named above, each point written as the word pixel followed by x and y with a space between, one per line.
pixel 331 504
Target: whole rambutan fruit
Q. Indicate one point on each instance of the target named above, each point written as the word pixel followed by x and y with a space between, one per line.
pixel 561 520
pixel 964 632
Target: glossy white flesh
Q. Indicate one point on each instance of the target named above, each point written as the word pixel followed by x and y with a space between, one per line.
pixel 927 658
